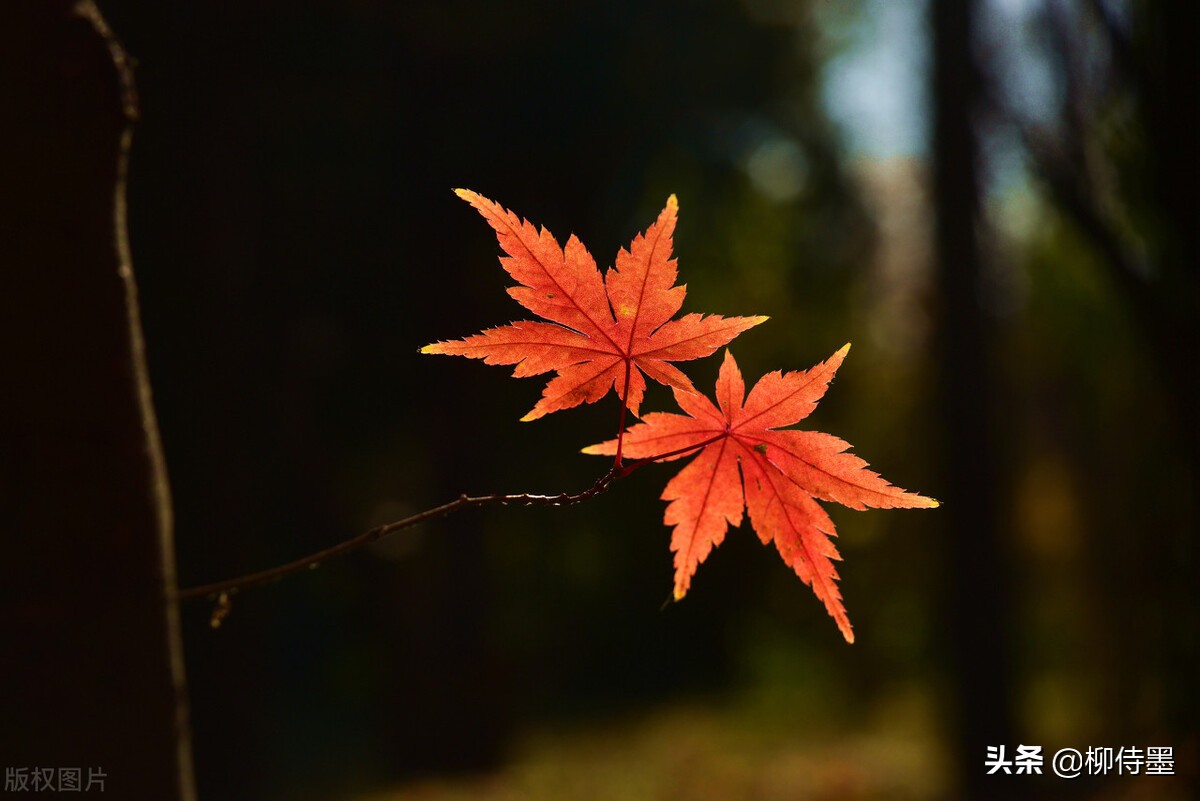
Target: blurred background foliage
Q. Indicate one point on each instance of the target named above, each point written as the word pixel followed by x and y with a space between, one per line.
pixel 296 241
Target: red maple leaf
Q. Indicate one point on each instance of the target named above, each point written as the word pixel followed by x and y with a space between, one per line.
pixel 782 472
pixel 603 332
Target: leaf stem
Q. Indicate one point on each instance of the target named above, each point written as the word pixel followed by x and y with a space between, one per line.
pixel 658 457
pixel 624 409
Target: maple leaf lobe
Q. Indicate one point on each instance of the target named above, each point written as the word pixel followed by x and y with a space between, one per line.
pixel 782 473
pixel 604 333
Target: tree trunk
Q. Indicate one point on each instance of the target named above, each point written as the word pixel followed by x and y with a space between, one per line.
pixel 978 589
pixel 92 662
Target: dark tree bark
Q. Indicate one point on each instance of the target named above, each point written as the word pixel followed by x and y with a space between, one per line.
pixel 92 661
pixel 1173 122
pixel 976 629
pixel 1139 215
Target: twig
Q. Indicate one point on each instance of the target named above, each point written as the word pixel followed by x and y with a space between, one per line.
pixel 379 532
pixel 223 590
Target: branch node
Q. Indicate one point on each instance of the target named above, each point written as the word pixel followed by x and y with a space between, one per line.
pixel 221 611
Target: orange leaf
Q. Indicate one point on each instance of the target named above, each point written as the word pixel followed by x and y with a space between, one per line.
pixel 781 472
pixel 602 331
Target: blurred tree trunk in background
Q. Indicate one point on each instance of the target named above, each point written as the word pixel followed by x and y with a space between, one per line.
pixel 1117 154
pixel 92 663
pixel 1120 160
pixel 978 580
pixel 1169 80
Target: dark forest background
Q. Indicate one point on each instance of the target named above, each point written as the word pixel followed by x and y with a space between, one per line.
pixel 1020 290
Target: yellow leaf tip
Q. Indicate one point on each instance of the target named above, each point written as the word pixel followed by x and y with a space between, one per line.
pixel 673 202
pixel 679 593
pixel 466 194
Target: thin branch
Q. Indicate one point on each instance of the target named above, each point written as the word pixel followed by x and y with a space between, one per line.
pixel 159 486
pixel 221 590
pixel 1063 169
pixel 379 532
pixel 1118 40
